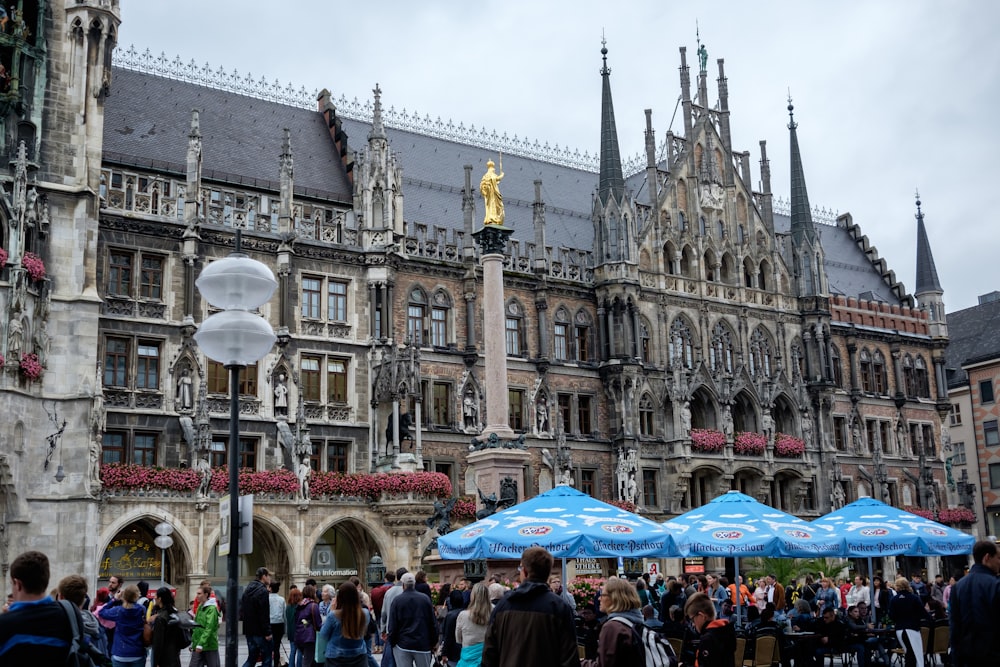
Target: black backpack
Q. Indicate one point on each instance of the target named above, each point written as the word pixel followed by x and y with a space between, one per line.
pixel 81 653
pixel 184 626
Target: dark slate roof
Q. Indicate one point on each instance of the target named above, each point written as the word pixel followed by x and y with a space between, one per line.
pixel 848 270
pixel 434 174
pixel 147 120
pixel 927 277
pixel 974 334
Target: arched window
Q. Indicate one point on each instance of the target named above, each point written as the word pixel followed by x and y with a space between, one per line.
pixel 582 337
pixel 741 234
pixel 646 415
pixel 514 329
pixel 721 229
pixel 709 262
pixel 836 373
pixel 440 319
pixel 921 379
pixel 761 353
pixel 684 224
pixel 668 258
pixel 681 347
pixel 561 334
pixel 763 282
pixel 867 373
pixel 879 373
pixel 702 225
pixel 908 378
pixel 748 272
pixel 416 311
pixel 721 352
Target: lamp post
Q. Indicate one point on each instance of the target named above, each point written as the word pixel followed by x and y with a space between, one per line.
pixel 236 338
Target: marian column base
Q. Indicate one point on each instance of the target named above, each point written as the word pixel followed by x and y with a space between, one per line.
pixel 492 466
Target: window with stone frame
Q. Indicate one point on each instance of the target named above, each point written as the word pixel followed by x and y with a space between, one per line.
pixel 113 447
pixel 836 370
pixel 560 337
pixel 588 481
pixel 958 454
pixel 440 319
pixel 131 363
pixel 247 453
pixel 565 406
pixel 909 381
pixel 883 428
pixel 441 404
pixel 313 290
pixel 337 456
pixel 986 391
pixel 879 374
pixel 336 380
pixel 649 495
pixel 867 372
pixel 336 301
pixel 585 414
pixel 217 377
pixel 312 297
pixel 955 416
pixel 515 409
pixel 124 446
pixel 921 378
pixel 416 311
pixel 514 325
pixel 991 434
pixel 646 416
pixel 309 378
pixel 144 449
pixel 871 429
pixel 582 336
pixel 120 278
pixel 840 437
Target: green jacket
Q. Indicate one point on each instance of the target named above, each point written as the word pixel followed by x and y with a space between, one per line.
pixel 207 636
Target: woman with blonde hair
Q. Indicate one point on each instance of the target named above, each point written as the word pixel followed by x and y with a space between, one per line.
pixel 907 614
pixel 470 627
pixel 615 645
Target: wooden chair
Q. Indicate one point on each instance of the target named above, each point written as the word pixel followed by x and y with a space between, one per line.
pixel 939 645
pixel 741 647
pixel 763 652
pixel 677 644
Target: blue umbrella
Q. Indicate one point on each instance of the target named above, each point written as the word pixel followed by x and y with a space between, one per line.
pixel 872 528
pixel 568 523
pixel 735 525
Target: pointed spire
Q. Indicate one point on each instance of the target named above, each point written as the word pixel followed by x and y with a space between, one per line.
pixel 612 182
pixel 378 128
pixel 802 224
pixel 927 277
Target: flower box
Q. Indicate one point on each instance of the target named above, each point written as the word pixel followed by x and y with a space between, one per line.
pixel 31 367
pixel 921 512
pixel 788 445
pixel 34 265
pixel 751 443
pixel 626 505
pixel 956 516
pixel 583 590
pixel 707 440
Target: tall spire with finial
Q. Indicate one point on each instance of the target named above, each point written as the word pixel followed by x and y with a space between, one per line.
pixel 378 128
pixel 802 223
pixel 612 182
pixel 927 277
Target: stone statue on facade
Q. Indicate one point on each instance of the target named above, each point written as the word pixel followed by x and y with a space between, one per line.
pixel 807 428
pixel 767 426
pixel 686 419
pixel 470 411
pixel 728 427
pixel 837 497
pixel 281 395
pixel 489 187
pixel 185 392
pixel 542 417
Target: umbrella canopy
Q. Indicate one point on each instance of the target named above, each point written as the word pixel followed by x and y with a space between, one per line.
pixel 568 523
pixel 736 525
pixel 872 528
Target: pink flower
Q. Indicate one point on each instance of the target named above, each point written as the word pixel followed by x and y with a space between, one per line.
pixel 465 508
pixel 3 258
pixel 31 368
pixel 626 505
pixel 748 442
pixel 706 440
pixel 34 265
pixel 787 445
pixel 956 515
pixel 921 512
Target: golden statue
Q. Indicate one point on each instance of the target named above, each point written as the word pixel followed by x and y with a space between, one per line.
pixel 489 187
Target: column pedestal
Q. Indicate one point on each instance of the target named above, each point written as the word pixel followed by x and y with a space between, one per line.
pixel 492 465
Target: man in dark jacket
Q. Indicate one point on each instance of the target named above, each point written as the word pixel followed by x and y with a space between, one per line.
pixel 35 630
pixel 255 611
pixel 531 626
pixel 975 610
pixel 412 626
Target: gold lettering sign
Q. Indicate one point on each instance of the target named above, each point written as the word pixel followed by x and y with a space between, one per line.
pixel 131 557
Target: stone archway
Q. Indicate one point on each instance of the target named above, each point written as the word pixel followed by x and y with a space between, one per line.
pixel 749 481
pixel 785 415
pixel 706 484
pixel 745 414
pixel 271 549
pixel 704 411
pixel 343 548
pixel 129 552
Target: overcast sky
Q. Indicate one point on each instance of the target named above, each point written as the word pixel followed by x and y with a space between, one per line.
pixel 889 96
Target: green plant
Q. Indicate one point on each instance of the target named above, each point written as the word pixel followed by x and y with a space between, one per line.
pixel 784 569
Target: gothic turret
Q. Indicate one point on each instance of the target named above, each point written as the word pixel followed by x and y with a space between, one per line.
pixel 612 183
pixel 613 218
pixel 929 292
pixel 807 253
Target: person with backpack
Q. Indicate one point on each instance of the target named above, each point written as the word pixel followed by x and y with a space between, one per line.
pixel 127 648
pixel 205 639
pixel 307 625
pixel 167 635
pixel 73 589
pixel 35 630
pixel 619 644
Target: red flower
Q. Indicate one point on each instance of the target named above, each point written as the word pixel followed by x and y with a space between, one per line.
pixel 34 265
pixel 707 440
pixel 748 442
pixel 787 445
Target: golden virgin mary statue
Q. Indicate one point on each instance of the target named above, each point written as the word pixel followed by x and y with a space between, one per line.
pixel 489 187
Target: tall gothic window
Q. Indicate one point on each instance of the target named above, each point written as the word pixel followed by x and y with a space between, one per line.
pixel 646 415
pixel 560 338
pixel 721 352
pixel 908 379
pixel 836 373
pixel 879 373
pixel 582 335
pixel 920 378
pixel 416 310
pixel 681 346
pixel 644 354
pixel 867 373
pixel 514 329
pixel 440 315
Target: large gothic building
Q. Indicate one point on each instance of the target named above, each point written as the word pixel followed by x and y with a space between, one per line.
pixel 671 332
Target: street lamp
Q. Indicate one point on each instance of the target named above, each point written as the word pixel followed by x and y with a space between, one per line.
pixel 236 338
pixel 375 572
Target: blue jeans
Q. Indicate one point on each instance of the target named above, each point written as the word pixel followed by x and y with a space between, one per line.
pixel 294 660
pixel 258 650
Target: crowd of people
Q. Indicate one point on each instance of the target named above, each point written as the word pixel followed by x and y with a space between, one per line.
pixel 693 620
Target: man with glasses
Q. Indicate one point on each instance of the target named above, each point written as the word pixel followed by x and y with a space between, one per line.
pixel 532 626
pixel 716 638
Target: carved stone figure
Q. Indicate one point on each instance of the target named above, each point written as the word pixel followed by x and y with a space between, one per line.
pixel 632 489
pixel 185 394
pixel 281 394
pixel 856 440
pixel 767 425
pixel 837 496
pixel 567 477
pixel 303 471
pixel 807 428
pixel 94 466
pixel 470 411
pixel 727 423
pixel 205 473
pixel 41 343
pixel 489 187
pixel 15 339
pixel 405 421
pixel 542 416
pixel 686 419
pixel 442 515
